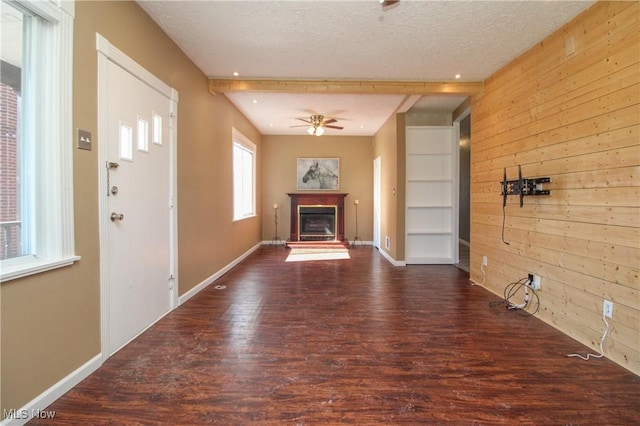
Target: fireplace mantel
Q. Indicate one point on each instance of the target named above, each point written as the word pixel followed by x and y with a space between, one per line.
pixel 317 199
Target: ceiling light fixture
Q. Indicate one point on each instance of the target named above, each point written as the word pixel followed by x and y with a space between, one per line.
pixel 317 125
pixel 386 3
pixel 315 130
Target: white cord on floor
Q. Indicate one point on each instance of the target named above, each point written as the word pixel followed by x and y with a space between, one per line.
pixel 484 274
pixel 606 330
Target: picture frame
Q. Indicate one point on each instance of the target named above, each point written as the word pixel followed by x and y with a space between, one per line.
pixel 319 174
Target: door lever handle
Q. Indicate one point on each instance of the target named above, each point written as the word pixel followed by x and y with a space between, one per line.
pixel 116 216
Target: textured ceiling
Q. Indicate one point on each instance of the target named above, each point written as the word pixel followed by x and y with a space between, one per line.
pixel 412 40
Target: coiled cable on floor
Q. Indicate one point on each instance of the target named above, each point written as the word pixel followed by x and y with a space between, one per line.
pixel 530 297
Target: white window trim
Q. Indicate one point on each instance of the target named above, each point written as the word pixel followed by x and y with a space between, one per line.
pixel 53 186
pixel 239 139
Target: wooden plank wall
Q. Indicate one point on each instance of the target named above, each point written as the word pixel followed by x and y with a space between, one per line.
pixel 575 118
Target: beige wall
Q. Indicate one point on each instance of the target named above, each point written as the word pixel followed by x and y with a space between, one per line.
pixel 51 321
pixel 356 172
pixel 576 119
pixel 388 144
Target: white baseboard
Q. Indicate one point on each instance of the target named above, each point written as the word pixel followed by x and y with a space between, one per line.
pixel 270 243
pixel 281 243
pixel 198 288
pixel 37 406
pixel 391 259
pixel 361 243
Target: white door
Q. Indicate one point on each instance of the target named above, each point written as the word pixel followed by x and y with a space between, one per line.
pixel 136 244
pixel 376 202
pixel 432 195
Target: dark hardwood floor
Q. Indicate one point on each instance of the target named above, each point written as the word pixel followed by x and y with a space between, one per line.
pixel 350 341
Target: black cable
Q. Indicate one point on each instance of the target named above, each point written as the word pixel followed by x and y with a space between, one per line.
pixel 519 282
pixel 515 288
pixel 504 216
pixel 505 298
pixel 511 290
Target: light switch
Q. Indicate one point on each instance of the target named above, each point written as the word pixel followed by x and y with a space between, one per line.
pixel 84 139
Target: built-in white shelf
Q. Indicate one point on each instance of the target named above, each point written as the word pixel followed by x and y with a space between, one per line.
pixel 431 199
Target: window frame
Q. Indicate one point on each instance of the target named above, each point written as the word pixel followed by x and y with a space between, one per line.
pixel 242 142
pixel 47 113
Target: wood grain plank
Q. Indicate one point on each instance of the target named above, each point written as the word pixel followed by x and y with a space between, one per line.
pixel 620 216
pixel 548 64
pixel 356 342
pixel 489 227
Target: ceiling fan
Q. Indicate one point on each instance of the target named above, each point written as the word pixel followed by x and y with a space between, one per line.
pixel 317 123
pixel 387 3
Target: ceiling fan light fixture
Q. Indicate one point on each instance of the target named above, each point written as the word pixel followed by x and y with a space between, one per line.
pixel 315 130
pixel 316 124
pixel 387 3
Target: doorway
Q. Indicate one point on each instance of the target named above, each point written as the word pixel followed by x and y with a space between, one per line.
pixel 138 233
pixel 465 191
pixel 377 182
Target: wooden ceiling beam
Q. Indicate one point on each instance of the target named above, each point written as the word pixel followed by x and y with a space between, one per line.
pixel 353 87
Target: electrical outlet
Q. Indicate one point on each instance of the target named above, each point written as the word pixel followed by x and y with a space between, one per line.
pixel 607 308
pixel 535 284
pixel 534 281
pixel 485 261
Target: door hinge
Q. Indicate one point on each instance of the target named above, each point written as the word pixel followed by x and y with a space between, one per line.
pixel 171 281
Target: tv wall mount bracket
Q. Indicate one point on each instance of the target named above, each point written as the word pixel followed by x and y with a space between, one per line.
pixel 522 187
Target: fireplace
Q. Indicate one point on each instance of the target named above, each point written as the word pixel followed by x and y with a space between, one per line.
pixel 317 223
pixel 317 217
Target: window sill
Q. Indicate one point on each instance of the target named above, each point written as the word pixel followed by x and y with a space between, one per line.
pixel 239 219
pixel 35 267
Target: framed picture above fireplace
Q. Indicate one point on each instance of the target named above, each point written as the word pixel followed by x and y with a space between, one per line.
pixel 318 174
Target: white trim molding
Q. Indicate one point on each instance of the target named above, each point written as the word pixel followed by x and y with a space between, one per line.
pixel 208 281
pixel 50 185
pixel 391 259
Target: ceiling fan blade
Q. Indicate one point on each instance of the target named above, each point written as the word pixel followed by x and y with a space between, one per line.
pixel 334 127
pixel 386 3
pixel 302 125
pixel 303 119
pixel 330 120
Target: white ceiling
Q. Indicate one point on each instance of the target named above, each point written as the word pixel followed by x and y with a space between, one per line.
pixel 353 40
